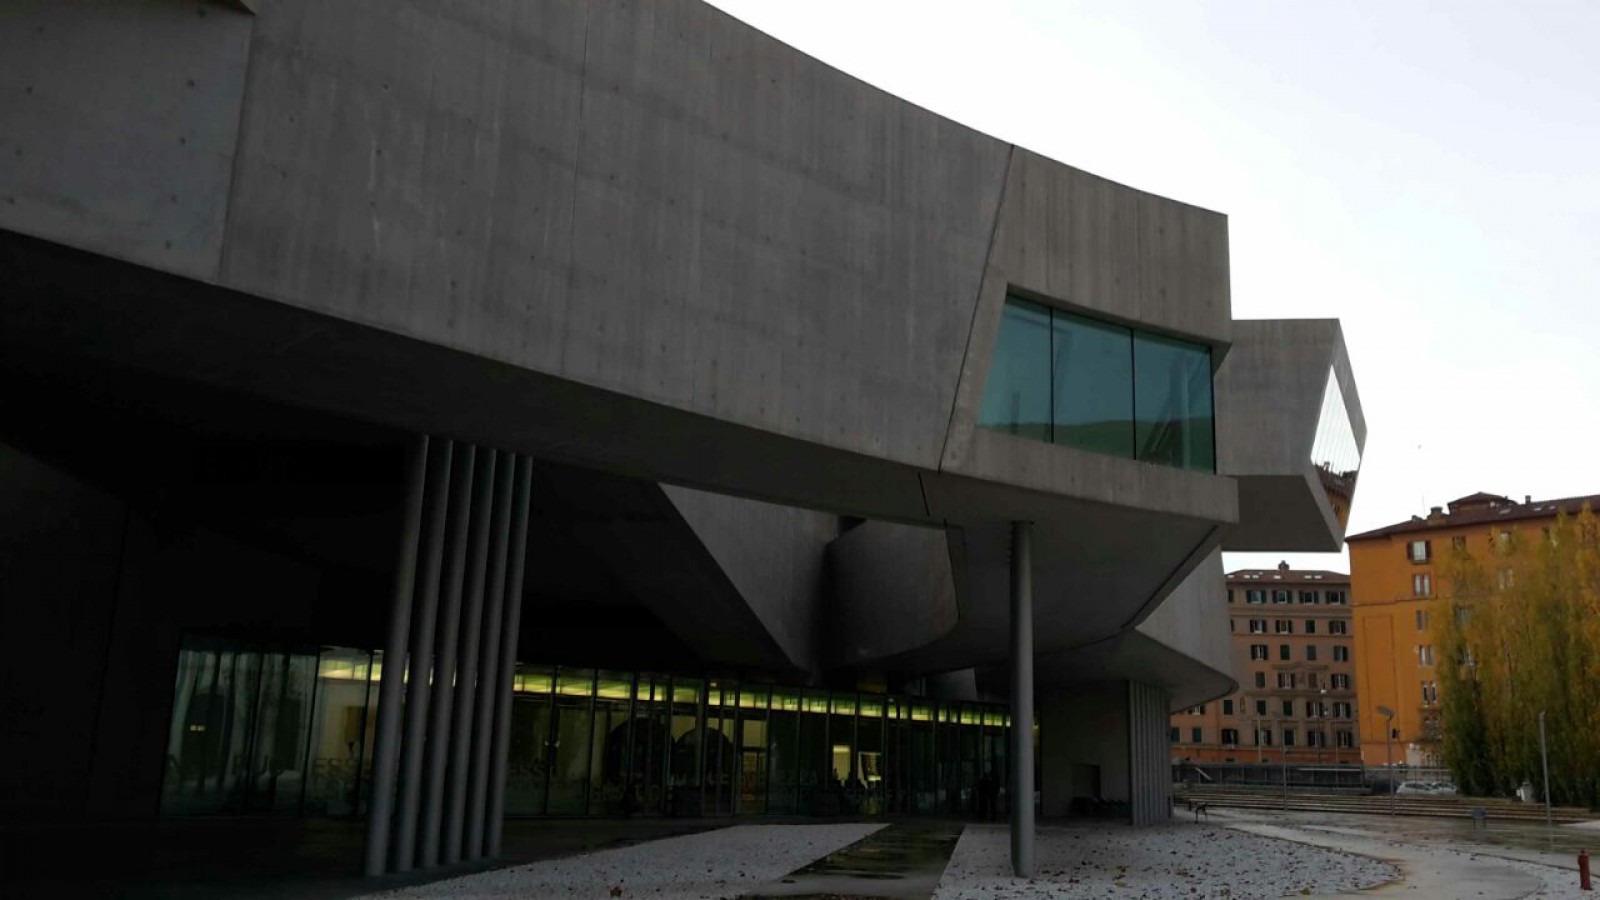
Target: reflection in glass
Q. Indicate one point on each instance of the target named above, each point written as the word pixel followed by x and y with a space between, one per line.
pixel 1172 401
pixel 1016 397
pixel 259 732
pixel 1334 451
pixel 1091 370
pixel 1100 387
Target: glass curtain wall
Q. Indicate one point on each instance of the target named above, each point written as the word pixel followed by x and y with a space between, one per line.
pixel 1097 386
pixel 257 731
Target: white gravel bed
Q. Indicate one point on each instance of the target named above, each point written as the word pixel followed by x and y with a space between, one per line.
pixel 711 864
pixel 1163 861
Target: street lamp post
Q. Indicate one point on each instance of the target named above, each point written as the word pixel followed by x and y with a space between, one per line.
pixel 1544 755
pixel 1388 751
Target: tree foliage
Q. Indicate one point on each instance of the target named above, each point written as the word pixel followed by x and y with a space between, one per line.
pixel 1518 633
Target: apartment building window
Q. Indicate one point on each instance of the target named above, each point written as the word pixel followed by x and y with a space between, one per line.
pixel 1288 737
pixel 1341 709
pixel 1311 709
pixel 1258 626
pixel 1422 585
pixel 1280 596
pixel 1263 737
pixel 1338 626
pixel 1422 620
pixel 1173 734
pixel 1311 678
pixel 1261 679
pixel 1288 708
pixel 1199 710
pixel 1424 654
pixel 1344 739
pixel 1430 693
pixel 1502 541
pixel 1283 626
pixel 1256 596
pixel 1316 739
pixel 1308 596
pixel 1230 736
pixel 1311 626
pixel 1230 626
pixel 1227 707
pixel 1258 651
pixel 1311 653
pixel 1283 652
pixel 1261 707
pixel 1339 682
pixel 1419 551
pixel 1197 735
pixel 1230 595
pixel 1458 544
pixel 1285 680
pixel 1337 598
pixel 1341 654
pixel 1505 578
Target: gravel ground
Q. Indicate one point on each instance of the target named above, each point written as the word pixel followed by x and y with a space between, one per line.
pixel 712 864
pixel 1165 861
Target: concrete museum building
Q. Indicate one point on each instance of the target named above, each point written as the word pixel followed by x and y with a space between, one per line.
pixel 705 431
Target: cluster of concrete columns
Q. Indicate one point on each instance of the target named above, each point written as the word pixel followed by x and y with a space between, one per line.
pixel 439 766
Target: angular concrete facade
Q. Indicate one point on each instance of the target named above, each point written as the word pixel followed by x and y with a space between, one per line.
pixel 731 313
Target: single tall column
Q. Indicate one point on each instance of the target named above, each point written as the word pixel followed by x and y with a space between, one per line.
pixel 489 663
pixel 386 755
pixel 1022 699
pixel 444 681
pixel 420 662
pixel 455 800
pixel 508 661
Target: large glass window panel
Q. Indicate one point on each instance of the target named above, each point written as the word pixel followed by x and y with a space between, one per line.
pixel 574 716
pixel 1016 396
pixel 340 742
pixel 528 759
pixel 1334 451
pixel 752 750
pixel 1091 370
pixel 611 791
pixel 688 747
pixel 1172 402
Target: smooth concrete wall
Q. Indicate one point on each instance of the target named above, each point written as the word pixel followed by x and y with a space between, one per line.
pixel 60 549
pixel 650 198
pixel 892 589
pixel 1269 395
pixel 1193 619
pixel 118 125
pixel 1083 726
pixel 774 556
pixel 1149 754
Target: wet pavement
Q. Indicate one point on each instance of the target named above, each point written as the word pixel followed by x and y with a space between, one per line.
pixel 1527 839
pixel 901 862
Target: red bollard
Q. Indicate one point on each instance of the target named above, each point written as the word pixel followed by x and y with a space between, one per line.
pixel 1583 871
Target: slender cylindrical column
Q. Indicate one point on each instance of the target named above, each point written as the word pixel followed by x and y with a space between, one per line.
pixel 489 662
pixel 1022 699
pixel 386 756
pixel 455 796
pixel 444 679
pixel 494 817
pixel 420 661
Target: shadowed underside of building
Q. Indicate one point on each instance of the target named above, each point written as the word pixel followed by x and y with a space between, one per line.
pixel 438 413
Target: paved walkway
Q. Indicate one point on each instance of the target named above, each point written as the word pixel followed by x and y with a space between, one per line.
pixel 1433 865
pixel 901 862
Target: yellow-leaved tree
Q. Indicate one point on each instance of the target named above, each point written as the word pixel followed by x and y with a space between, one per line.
pixel 1518 632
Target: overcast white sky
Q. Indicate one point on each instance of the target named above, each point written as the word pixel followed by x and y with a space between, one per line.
pixel 1427 172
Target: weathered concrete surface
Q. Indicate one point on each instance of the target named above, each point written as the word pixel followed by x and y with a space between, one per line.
pixel 118 121
pixel 1269 393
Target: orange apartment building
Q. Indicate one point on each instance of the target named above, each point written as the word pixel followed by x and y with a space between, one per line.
pixel 1394 579
pixel 1292 651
